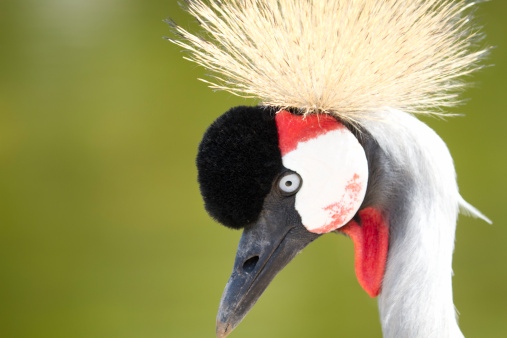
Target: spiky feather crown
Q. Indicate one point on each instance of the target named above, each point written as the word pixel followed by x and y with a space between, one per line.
pixel 344 57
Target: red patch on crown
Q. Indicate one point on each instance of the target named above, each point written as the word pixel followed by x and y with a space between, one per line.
pixel 293 129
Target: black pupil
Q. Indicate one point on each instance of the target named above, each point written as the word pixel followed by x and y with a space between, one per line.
pixel 288 183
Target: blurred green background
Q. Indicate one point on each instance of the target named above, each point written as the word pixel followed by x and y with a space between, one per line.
pixel 102 229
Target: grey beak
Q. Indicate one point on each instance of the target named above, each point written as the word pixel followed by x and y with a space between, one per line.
pixel 265 248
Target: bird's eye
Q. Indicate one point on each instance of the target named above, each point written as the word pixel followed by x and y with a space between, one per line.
pixel 289 184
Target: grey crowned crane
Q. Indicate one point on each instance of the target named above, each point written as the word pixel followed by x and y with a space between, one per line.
pixel 334 145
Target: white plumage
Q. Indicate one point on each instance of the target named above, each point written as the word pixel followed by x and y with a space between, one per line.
pixel 416 298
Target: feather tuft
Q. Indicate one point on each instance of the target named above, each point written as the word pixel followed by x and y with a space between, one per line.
pixel 349 58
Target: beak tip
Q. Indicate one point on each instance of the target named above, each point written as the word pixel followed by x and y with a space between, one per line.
pixel 222 329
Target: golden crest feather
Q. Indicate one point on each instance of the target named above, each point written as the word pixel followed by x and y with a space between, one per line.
pixel 344 57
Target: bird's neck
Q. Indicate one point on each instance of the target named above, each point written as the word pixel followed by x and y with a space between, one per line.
pixel 416 295
pixel 416 298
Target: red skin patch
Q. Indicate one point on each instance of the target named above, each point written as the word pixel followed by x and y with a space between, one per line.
pixel 371 241
pixel 339 215
pixel 340 211
pixel 293 129
pixel 353 186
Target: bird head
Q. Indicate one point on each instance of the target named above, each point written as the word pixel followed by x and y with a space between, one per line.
pixel 285 179
pixel 334 147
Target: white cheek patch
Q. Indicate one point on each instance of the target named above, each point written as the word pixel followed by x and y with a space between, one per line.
pixel 334 170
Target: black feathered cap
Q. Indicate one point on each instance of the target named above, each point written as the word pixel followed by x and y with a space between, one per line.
pixel 238 160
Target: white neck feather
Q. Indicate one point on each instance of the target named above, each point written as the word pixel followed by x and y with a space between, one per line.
pixel 416 298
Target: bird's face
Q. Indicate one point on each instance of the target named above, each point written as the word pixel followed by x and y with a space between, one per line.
pixel 285 179
pixel 332 164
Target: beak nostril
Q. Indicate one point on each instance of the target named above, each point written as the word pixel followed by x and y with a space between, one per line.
pixel 250 264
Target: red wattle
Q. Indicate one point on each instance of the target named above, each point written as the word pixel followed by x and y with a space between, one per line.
pixel 371 240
